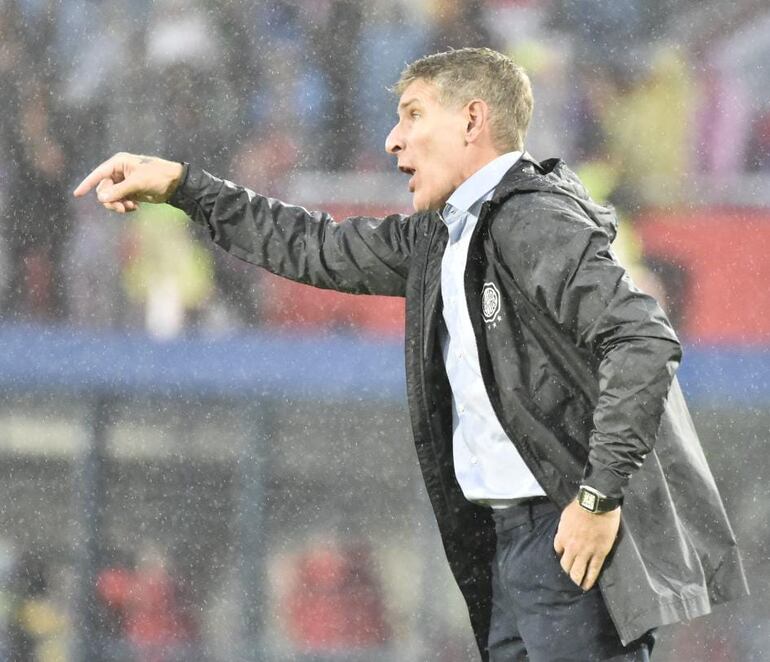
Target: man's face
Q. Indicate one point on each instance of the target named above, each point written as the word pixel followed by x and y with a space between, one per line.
pixel 429 142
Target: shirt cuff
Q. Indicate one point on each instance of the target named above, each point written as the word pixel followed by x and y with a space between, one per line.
pixel 178 195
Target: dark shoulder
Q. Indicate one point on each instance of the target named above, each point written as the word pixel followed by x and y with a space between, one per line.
pixel 413 229
pixel 422 224
pixel 539 217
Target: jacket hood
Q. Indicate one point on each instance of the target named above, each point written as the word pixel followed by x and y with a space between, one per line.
pixel 553 176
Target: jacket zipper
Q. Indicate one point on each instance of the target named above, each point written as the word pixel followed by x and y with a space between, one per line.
pixel 423 386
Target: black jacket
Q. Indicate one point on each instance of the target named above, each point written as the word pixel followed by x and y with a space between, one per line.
pixel 578 364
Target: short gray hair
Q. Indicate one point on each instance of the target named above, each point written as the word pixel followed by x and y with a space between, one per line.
pixel 479 73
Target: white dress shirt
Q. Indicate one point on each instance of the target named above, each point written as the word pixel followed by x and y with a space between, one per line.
pixel 487 465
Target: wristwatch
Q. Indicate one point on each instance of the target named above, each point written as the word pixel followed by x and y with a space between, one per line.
pixel 594 501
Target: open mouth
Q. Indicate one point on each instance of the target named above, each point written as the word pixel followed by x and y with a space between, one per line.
pixel 411 172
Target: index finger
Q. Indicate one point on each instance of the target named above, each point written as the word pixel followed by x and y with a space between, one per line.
pixel 103 171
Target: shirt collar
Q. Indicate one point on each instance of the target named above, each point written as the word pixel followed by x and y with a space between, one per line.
pixel 481 182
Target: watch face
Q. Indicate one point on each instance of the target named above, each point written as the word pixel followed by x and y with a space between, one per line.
pixel 588 500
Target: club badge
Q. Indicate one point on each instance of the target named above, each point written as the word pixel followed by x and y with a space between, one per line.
pixel 490 303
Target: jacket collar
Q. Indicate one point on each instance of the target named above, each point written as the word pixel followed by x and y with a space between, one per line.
pixel 526 174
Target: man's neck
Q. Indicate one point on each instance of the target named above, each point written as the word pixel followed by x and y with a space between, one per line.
pixel 482 181
pixel 478 160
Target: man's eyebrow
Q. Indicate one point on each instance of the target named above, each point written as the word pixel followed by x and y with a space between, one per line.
pixel 405 104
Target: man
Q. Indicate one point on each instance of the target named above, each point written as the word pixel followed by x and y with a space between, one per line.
pixel 539 379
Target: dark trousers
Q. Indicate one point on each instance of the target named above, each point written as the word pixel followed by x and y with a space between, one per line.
pixel 538 613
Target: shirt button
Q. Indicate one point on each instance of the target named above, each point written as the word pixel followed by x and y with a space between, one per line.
pixel 459 355
pixel 462 408
pixel 474 459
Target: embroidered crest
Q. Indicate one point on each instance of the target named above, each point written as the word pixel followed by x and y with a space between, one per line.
pixel 490 303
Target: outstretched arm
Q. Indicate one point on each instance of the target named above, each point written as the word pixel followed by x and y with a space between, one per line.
pixel 360 255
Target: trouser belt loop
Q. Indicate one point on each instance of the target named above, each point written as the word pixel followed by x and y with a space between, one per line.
pixel 531 513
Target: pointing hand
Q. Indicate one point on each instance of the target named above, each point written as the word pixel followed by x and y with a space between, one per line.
pixel 125 180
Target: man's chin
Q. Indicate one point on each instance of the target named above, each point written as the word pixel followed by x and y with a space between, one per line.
pixel 420 205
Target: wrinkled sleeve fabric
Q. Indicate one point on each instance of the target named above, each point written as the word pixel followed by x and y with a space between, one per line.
pixel 359 255
pixel 563 263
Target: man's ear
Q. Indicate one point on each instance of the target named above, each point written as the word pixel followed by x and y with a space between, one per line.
pixel 477 119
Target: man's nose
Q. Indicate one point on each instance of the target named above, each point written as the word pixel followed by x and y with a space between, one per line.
pixel 394 143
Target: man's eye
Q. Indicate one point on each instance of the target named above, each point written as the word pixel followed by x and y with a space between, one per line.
pixel 414 114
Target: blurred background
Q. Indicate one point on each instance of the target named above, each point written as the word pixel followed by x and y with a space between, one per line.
pixel 161 501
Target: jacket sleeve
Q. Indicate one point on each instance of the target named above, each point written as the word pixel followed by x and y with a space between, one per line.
pixel 564 265
pixel 358 255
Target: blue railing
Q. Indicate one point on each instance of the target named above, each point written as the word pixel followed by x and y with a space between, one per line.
pixel 289 365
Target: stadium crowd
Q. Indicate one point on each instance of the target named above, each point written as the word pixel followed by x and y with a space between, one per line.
pixel 262 91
